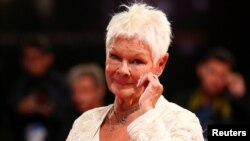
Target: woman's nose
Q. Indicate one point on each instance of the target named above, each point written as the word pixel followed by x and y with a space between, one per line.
pixel 123 68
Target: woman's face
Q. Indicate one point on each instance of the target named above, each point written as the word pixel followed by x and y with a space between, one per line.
pixel 127 60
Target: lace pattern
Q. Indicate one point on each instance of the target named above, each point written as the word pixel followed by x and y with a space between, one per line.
pixel 167 122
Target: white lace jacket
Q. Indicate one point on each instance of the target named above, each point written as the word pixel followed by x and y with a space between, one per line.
pixel 167 122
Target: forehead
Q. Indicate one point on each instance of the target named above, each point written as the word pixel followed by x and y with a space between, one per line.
pixel 32 50
pixel 129 43
pixel 86 78
pixel 219 65
pixel 132 40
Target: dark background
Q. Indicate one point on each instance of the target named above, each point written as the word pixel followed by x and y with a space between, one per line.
pixel 76 29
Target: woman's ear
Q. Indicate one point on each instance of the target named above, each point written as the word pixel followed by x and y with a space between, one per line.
pixel 161 64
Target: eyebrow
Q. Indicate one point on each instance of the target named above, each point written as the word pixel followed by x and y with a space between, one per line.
pixel 139 55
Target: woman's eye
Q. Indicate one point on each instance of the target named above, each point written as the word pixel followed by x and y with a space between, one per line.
pixel 115 57
pixel 137 62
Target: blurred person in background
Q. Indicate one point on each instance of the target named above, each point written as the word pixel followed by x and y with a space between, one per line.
pixel 88 88
pixel 40 97
pixel 219 96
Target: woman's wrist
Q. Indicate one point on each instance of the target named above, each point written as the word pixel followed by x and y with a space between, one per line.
pixel 145 109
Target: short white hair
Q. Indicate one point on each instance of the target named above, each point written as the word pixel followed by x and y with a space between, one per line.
pixel 144 22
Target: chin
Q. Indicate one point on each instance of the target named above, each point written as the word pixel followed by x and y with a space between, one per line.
pixel 123 92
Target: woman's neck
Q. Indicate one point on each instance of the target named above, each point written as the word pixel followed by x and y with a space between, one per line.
pixel 125 105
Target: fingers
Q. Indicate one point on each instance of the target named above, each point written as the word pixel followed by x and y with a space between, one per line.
pixel 147 78
pixel 236 85
pixel 152 91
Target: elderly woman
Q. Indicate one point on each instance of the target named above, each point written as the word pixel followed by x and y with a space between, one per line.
pixel 136 53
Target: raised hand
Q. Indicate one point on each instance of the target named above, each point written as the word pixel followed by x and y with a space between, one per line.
pixel 152 92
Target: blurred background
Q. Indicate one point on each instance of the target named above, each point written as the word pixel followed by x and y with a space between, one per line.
pixel 76 31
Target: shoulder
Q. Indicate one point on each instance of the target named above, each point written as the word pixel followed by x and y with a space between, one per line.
pixel 177 113
pixel 91 116
pixel 86 123
pixel 179 119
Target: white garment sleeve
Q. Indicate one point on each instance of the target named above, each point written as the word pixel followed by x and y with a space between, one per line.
pixel 156 126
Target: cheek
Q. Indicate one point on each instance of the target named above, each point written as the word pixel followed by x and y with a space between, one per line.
pixel 109 71
pixel 110 68
pixel 139 71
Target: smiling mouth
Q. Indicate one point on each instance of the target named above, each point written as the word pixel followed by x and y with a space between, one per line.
pixel 123 83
